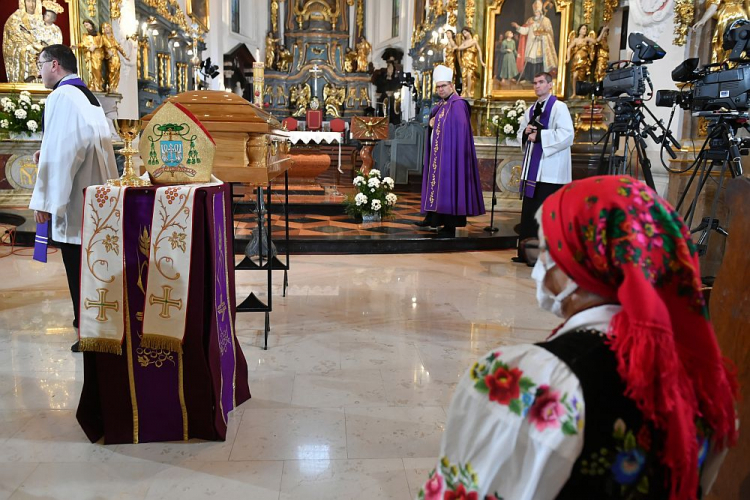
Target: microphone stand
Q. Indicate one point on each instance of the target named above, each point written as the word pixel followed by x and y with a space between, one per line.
pixel 491 228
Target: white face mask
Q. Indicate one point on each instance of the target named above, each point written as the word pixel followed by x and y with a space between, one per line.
pixel 545 298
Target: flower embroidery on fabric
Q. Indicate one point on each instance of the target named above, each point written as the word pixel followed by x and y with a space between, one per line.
pixel 507 386
pixel 453 482
pixel 645 233
pixel 550 411
pixel 628 461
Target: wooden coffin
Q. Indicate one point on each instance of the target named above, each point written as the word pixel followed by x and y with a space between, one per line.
pixel 251 148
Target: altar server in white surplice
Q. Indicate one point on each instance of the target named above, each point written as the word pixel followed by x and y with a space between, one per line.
pixel 76 153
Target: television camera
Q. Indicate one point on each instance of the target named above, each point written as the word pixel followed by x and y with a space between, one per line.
pixel 625 85
pixel 720 93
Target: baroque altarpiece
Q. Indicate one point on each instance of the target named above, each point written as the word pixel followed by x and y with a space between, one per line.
pixel 317 55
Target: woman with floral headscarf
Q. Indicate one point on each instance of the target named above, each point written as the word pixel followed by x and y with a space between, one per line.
pixel 629 398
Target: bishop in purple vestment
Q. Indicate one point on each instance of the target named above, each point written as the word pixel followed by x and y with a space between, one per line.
pixel 451 189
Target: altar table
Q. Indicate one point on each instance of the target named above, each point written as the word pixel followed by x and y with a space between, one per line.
pixel 146 395
pixel 296 137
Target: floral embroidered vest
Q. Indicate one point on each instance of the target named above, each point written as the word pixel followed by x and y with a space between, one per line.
pixel 619 459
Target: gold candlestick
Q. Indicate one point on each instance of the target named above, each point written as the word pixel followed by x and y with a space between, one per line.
pixel 128 130
pixel 258 77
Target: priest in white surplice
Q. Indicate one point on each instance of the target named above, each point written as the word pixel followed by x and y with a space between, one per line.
pixel 546 130
pixel 76 153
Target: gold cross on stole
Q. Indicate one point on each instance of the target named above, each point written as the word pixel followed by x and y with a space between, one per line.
pixel 165 302
pixel 102 304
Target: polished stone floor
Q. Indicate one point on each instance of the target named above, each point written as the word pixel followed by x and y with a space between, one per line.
pixel 349 400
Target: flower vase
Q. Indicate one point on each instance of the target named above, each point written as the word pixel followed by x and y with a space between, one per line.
pixel 371 217
pixel 22 136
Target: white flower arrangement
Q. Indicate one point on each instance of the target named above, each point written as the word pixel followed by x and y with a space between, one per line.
pixel 508 121
pixel 373 195
pixel 360 199
pixel 20 114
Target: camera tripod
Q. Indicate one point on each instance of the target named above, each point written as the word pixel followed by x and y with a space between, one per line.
pixel 630 124
pixel 724 150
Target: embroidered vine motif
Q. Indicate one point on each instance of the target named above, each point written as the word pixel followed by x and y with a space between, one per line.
pixel 111 244
pixel 544 407
pixel 104 232
pixel 453 482
pixel 169 220
pixel 155 357
pixel 177 240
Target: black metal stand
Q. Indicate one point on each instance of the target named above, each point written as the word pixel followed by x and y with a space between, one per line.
pixel 252 303
pixel 491 228
pixel 725 153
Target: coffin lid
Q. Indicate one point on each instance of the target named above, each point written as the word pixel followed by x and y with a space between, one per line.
pixel 221 111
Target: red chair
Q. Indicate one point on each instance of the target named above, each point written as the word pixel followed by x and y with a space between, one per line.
pixel 290 124
pixel 338 125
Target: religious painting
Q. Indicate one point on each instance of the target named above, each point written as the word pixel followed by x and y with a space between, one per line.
pixel 27 26
pixel 524 38
pixel 198 12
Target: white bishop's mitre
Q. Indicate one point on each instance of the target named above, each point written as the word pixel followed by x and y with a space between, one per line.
pixel 442 74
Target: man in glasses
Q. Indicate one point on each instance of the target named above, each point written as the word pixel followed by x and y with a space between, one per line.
pixel 76 153
pixel 451 190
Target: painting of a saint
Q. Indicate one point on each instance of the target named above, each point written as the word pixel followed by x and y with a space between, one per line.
pixel 525 41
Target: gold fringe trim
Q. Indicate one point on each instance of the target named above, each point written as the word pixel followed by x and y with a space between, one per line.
pixel 107 346
pixel 155 341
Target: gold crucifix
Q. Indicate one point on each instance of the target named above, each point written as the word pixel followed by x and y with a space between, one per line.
pixel 102 304
pixel 165 301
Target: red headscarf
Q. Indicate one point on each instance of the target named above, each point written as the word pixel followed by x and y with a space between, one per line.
pixel 616 237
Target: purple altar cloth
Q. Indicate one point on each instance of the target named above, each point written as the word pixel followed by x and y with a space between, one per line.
pixel 148 395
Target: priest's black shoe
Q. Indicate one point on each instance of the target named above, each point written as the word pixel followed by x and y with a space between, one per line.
pixel 76 347
pixel 422 223
pixel 447 232
pixel 518 259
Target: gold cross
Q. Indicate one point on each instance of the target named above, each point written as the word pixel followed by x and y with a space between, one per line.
pixel 102 304
pixel 165 302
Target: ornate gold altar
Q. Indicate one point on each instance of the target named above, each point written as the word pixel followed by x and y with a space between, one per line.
pixel 250 147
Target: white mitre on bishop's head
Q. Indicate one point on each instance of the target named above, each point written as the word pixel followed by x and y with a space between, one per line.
pixel 442 74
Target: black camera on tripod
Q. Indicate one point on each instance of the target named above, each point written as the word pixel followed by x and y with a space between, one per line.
pixel 714 87
pixel 629 79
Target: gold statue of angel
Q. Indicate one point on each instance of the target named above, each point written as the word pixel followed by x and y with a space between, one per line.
pixel 300 98
pixel 333 98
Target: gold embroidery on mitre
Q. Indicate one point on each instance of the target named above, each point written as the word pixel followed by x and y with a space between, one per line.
pixel 175 148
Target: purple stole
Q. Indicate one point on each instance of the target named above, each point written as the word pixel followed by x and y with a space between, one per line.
pixel 528 184
pixel 72 81
pixel 42 230
pixel 40 241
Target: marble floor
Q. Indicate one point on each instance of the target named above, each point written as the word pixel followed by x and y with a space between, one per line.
pixel 349 401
